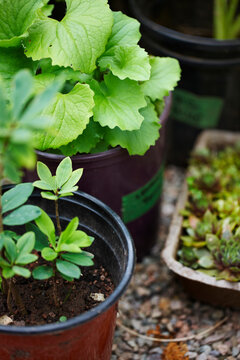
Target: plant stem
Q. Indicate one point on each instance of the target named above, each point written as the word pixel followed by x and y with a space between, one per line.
pixel 220 9
pixel 55 298
pixel 59 229
pixel 14 294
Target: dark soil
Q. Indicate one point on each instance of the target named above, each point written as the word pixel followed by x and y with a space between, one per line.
pixel 74 297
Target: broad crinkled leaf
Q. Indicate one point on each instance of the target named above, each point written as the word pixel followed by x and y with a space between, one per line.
pixel 125 31
pixel 71 113
pixel 165 73
pixel 117 103
pixel 127 62
pixel 86 141
pixel 77 40
pixel 11 61
pixel 16 16
pixel 137 142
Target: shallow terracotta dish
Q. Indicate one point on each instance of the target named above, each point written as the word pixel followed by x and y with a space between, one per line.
pixel 198 285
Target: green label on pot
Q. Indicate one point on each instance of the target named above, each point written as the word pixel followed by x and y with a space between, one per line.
pixel 140 201
pixel 198 111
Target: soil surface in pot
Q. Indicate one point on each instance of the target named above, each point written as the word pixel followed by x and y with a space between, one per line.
pixel 74 297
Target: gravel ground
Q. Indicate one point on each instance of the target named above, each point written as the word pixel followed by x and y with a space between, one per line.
pixel 156 304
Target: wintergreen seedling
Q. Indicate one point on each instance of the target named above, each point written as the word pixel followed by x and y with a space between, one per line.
pixel 59 185
pixel 64 250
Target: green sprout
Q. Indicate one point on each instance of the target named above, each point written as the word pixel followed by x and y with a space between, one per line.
pixel 64 249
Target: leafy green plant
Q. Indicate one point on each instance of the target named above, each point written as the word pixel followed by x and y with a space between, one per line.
pixel 63 251
pixel 226 19
pixel 210 241
pixel 20 118
pixel 113 91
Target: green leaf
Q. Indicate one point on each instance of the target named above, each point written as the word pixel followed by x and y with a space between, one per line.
pixel 22 215
pixel 74 242
pixel 21 136
pixel 43 185
pixel 11 61
pixel 44 173
pixel 25 259
pixel 49 196
pixel 127 62
pixel 25 243
pixel 86 141
pixel 68 269
pixel 18 270
pixel 16 196
pixel 117 103
pixel 42 272
pixel 42 100
pixel 78 259
pixel 4 263
pixel 22 91
pixel 206 261
pixel 8 273
pixel 11 249
pixel 40 239
pixel 165 73
pixel 5 117
pixel 15 19
pixel 69 231
pixel 68 191
pixel 49 254
pixel 71 113
pixel 125 31
pixel 72 181
pixel 47 227
pixel 63 172
pixel 137 142
pixel 77 40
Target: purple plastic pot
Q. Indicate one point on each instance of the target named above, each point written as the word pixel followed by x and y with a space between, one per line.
pixel 130 185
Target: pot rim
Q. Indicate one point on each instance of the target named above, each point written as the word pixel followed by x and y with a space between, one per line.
pixel 97 310
pixel 176 35
pixel 111 153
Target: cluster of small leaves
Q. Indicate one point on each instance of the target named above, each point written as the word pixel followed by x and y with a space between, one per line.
pixel 211 234
pixel 16 253
pixel 113 89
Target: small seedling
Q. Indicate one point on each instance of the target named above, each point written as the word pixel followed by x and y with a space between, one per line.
pixel 64 250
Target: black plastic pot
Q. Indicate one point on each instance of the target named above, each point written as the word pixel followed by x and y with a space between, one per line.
pixel 208 93
pixel 89 335
pixel 130 185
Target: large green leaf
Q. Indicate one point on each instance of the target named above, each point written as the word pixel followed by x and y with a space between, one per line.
pixel 77 40
pixel 78 259
pixel 22 215
pixel 18 270
pixel 125 31
pixel 117 103
pixel 86 141
pixel 127 62
pixel 11 248
pixel 40 238
pixel 71 113
pixel 44 173
pixel 16 196
pixel 72 181
pixel 70 229
pixel 165 73
pixel 11 61
pixel 137 142
pixel 15 19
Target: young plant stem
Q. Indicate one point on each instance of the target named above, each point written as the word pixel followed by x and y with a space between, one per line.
pixel 55 298
pixel 59 229
pixel 14 294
